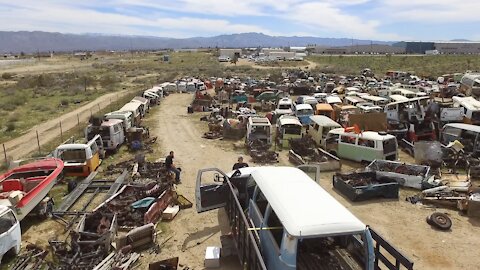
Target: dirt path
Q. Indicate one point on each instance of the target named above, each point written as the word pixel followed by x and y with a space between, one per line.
pixel 245 62
pixel 181 132
pixel 400 222
pixel 27 143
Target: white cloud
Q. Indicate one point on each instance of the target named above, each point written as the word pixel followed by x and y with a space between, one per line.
pixel 324 17
pixel 62 18
pixel 192 17
pixel 432 11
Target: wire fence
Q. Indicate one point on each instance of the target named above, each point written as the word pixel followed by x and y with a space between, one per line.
pixel 40 140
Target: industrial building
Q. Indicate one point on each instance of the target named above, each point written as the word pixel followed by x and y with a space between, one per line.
pixel 443 47
pixel 282 55
pixel 267 51
pixel 230 53
pixel 360 49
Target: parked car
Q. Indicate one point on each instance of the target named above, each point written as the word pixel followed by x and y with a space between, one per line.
pixel 288 127
pixel 319 127
pixel 224 59
pixel 360 147
pixel 303 113
pixel 111 132
pixel 80 159
pixel 468 135
pixel 10 233
pixel 259 128
pixel 271 96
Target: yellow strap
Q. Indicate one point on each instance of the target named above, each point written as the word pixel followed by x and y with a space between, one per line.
pixel 265 228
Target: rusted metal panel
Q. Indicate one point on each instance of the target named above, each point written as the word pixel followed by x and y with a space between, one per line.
pixel 408 175
pixel 155 211
pixel 324 160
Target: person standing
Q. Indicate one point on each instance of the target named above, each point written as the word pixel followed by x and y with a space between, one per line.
pixel 171 167
pixel 240 164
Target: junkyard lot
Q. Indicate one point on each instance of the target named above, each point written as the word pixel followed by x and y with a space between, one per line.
pixel 402 223
pixel 398 221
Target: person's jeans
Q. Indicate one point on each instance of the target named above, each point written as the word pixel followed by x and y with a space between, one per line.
pixel 177 173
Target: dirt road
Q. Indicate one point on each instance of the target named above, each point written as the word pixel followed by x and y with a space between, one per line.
pixel 22 146
pixel 402 223
pixel 244 62
pixel 181 132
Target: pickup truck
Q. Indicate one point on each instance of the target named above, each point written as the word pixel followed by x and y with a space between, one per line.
pixel 277 223
pixel 10 233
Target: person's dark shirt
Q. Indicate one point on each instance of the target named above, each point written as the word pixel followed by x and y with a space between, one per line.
pixel 239 165
pixel 168 162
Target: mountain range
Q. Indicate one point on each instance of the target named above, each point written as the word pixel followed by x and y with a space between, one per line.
pixel 38 41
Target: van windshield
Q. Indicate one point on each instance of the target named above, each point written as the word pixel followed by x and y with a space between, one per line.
pixel 338 252
pixel 389 146
pixel 476 116
pixel 284 106
pixel 304 112
pixel 293 129
pixel 74 155
pixel 6 222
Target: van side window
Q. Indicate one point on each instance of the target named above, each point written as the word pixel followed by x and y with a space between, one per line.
pixel 94 148
pixel 6 222
pixel 115 128
pixel 261 202
pixel 366 143
pixel 453 131
pixel 275 227
pixel 332 138
pixel 347 139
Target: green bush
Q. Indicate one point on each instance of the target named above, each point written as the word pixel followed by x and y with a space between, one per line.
pixel 64 102
pixel 10 126
pixel 7 76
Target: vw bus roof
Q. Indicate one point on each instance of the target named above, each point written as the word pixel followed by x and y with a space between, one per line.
pixel 468 102
pixel 304 208
pixel 323 120
pixel 473 128
pixel 368 135
pixel 408 101
pixel 303 107
pixel 324 107
pixel 259 121
pixel 289 120
pixel 131 106
pixel 111 122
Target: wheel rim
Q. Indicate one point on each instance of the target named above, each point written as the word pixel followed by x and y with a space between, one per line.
pixel 441 220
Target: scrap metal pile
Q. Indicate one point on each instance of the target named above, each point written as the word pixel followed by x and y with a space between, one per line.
pixel 70 255
pixel 143 171
pixel 33 258
pixel 260 152
pixel 303 151
pixel 215 126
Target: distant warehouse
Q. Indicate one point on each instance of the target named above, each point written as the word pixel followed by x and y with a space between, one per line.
pixel 443 47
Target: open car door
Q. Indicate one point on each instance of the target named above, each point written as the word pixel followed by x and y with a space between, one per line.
pixel 311 170
pixel 211 190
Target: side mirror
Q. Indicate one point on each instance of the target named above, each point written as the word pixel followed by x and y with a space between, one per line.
pixel 216 177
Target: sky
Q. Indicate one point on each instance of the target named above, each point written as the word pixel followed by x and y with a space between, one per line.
pixel 389 20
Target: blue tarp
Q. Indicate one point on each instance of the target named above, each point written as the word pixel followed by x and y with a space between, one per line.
pixel 143 203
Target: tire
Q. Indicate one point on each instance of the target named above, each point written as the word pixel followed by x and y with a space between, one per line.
pixel 71 185
pixel 440 221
